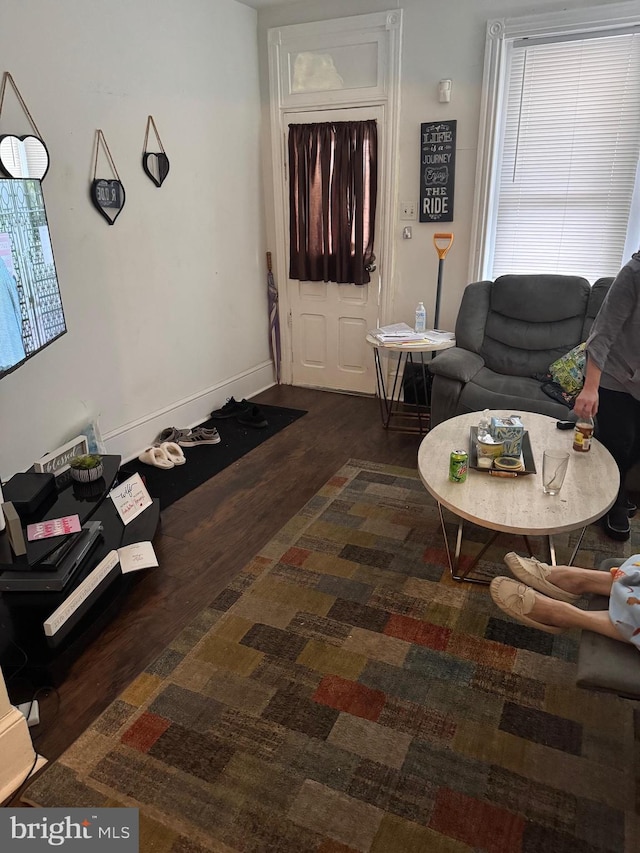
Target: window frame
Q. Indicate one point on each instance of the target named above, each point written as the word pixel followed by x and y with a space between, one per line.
pixel 501 34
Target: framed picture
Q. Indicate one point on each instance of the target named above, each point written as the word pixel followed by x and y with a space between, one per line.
pixel 437 170
pixel 58 461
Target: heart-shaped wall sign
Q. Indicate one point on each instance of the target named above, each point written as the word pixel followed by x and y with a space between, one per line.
pixel 23 157
pixel 156 166
pixel 108 197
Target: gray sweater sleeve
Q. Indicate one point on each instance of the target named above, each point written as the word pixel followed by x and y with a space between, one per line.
pixel 613 342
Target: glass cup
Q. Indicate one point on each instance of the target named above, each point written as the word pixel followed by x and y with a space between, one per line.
pixel 554 468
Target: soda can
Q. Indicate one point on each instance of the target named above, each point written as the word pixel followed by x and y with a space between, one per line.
pixel 458 466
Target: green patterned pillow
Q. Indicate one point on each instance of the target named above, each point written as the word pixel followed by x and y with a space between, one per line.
pixel 568 370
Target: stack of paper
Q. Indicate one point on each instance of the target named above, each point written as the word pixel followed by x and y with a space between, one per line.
pixel 397 333
pixel 438 336
pixel 402 333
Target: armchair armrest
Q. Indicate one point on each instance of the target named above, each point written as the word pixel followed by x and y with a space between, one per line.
pixel 456 363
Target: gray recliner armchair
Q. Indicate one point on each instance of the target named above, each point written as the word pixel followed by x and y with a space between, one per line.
pixel 507 331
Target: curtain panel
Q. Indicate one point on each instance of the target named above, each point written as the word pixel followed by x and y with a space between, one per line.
pixel 333 178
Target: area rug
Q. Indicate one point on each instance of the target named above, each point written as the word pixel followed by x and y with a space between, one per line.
pixel 207 461
pixel 343 694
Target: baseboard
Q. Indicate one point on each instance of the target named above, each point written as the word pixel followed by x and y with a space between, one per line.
pixel 131 439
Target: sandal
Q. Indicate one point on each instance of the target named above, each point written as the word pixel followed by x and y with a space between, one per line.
pixel 173 452
pixel 155 456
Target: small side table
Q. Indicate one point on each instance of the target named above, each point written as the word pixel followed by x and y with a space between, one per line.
pixel 396 414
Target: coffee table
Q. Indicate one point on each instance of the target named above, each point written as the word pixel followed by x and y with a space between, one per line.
pixel 396 414
pixel 517 505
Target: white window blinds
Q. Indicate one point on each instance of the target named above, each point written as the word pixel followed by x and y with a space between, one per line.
pixel 569 158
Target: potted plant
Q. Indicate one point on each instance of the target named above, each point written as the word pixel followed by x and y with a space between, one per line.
pixel 87 468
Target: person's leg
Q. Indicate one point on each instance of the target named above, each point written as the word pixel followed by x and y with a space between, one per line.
pixel 617 427
pixel 563 615
pixel 564 583
pixel 523 603
pixel 580 581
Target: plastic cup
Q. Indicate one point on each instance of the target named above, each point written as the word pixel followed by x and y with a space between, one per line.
pixel 554 468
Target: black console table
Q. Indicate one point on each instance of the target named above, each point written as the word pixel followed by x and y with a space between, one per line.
pixel 24 647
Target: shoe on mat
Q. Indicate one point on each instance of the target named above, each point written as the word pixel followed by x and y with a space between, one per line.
pixel 171 434
pixel 252 417
pixel 173 452
pixel 533 573
pixel 517 600
pixel 199 436
pixel 630 507
pixel 231 408
pixel 155 456
pixel 616 523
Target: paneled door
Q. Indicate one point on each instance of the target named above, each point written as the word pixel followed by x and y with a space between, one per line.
pixel 329 321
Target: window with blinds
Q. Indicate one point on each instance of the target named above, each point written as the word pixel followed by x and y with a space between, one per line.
pixel 568 157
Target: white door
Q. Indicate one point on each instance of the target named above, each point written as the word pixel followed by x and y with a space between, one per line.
pixel 329 321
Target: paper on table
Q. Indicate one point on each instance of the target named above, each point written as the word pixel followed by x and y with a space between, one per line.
pixel 130 498
pixel 402 333
pixel 138 556
pixel 438 336
pixel 397 333
pixel 53 527
pixel 394 330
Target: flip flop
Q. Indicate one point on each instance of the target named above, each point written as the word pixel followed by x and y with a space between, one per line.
pixel 155 456
pixel 174 452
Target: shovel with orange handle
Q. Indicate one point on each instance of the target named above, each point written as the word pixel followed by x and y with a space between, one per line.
pixel 442 250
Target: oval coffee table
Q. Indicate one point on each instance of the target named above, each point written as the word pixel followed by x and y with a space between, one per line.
pixel 517 505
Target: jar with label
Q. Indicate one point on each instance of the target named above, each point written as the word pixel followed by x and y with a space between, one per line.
pixel 583 434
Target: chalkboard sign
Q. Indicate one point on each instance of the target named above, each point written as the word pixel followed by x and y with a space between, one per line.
pixel 437 170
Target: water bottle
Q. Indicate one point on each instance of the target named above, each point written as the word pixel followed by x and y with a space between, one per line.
pixel 421 318
pixel 483 425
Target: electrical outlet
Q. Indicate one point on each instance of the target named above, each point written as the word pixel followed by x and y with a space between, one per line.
pixel 407 210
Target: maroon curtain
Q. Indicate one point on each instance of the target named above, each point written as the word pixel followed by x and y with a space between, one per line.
pixel 333 179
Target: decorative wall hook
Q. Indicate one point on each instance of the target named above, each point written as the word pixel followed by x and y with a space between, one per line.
pixel 107 195
pixel 154 163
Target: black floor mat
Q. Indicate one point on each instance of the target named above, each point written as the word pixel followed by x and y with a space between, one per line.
pixel 207 461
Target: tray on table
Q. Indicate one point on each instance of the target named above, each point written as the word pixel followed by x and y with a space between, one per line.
pixel 526 457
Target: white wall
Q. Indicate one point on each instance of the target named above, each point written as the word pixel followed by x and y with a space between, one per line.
pixel 166 309
pixel 441 39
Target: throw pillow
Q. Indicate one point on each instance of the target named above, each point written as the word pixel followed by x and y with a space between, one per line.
pixel 568 370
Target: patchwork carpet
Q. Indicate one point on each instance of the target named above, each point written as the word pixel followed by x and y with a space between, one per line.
pixel 343 695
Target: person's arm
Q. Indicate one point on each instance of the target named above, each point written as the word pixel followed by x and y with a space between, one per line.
pixel 609 325
pixel 586 404
pixel 606 331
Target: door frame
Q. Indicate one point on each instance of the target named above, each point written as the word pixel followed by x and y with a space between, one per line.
pixel 386 27
pixel 374 288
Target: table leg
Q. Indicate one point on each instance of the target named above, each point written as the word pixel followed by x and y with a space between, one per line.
pixel 396 413
pixel 573 553
pixel 382 390
pixel 454 561
pixel 454 564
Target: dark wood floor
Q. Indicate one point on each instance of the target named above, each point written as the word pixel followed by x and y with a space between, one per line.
pixel 206 538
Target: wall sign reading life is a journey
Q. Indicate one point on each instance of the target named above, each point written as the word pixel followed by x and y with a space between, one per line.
pixel 437 170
